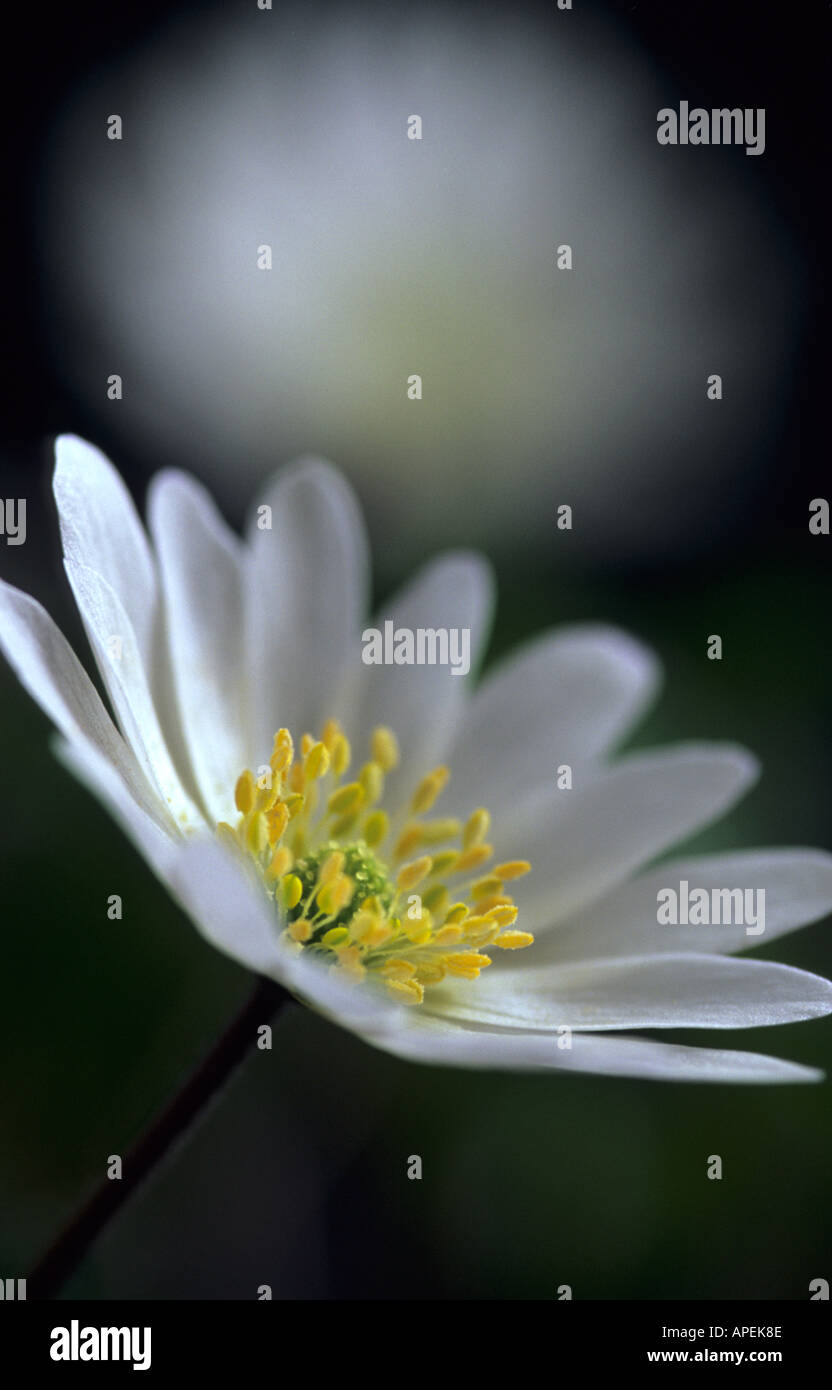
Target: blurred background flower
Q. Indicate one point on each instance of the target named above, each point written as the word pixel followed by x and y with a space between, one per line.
pixel 394 256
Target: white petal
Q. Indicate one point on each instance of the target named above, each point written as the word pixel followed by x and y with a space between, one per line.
pixel 200 564
pixel 583 842
pixel 432 1041
pixel 225 905
pixel 306 601
pixel 230 909
pixel 100 528
pixel 797 884
pixel 668 991
pixel 123 671
pixel 567 697
pixel 158 846
pixel 51 672
pixel 423 704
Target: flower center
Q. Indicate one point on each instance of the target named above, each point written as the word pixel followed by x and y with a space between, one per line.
pixel 402 902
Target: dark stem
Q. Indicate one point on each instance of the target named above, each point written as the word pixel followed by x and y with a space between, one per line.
pixel 67 1251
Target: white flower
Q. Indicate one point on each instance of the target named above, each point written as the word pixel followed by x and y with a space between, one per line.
pixel 209 647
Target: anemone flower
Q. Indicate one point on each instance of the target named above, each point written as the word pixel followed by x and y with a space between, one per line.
pixel 458 872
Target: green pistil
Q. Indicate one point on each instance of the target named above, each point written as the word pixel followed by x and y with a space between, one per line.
pixel 367 872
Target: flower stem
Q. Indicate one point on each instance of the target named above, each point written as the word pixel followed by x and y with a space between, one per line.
pixel 71 1245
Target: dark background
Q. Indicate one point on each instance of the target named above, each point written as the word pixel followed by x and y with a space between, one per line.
pixel 297 1178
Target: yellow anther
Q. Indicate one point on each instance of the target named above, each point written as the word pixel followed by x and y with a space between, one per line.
pixel 433 831
pixel 350 962
pixel 481 936
pixel 436 899
pixel 329 733
pixel 473 858
pixel 291 891
pixel 486 887
pixel 460 962
pixel 504 916
pixel 277 819
pixel 375 828
pixel 244 792
pixel 297 778
pixel 428 790
pixel 513 940
pixel 335 895
pixel 411 874
pixel 293 803
pixel 326 900
pixel 409 840
pixel 371 778
pixel 398 969
pixel 419 929
pixel 448 936
pixel 341 755
pixel 336 936
pixel 498 900
pixel 343 887
pixel 476 827
pixel 307 742
pixel 364 924
pixel 257 834
pixel 300 930
pixel 280 863
pixel 283 751
pixel 331 867
pixel 457 913
pixel 317 761
pixel 446 861
pixel 430 973
pixel 474 923
pixel 344 826
pixel 514 868
pixel 227 835
pixel 406 991
pixel 348 798
pixel 384 748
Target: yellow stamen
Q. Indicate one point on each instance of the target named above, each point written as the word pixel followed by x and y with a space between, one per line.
pixel 341 755
pixel 291 891
pixel 347 798
pixel 280 863
pixel 476 828
pixel 513 940
pixel 336 936
pixel 375 828
pixel 371 778
pixel 411 874
pixel 300 929
pixel 244 792
pixel 514 868
pixel 407 991
pixel 384 748
pixel 317 761
pixel 428 790
pixel 319 854
pixel 473 858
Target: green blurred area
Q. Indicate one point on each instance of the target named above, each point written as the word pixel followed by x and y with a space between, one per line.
pixel 297 1177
